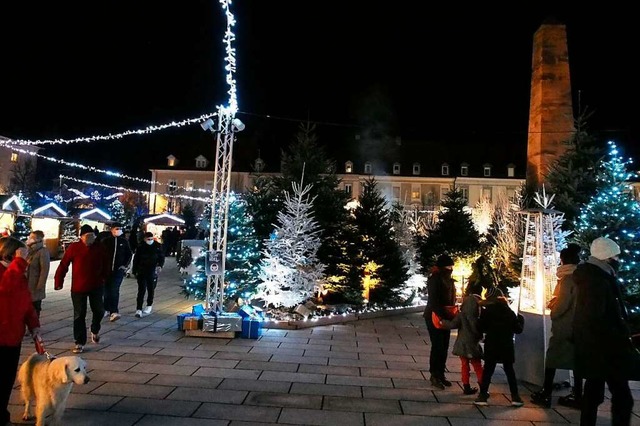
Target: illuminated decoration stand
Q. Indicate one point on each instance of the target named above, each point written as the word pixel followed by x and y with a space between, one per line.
pixel 228 124
pixel 537 282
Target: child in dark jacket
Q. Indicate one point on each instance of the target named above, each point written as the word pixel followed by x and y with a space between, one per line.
pixel 147 263
pixel 499 323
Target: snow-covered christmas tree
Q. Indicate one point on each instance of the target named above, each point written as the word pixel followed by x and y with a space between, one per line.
pixel 290 271
pixel 116 210
pixel 612 212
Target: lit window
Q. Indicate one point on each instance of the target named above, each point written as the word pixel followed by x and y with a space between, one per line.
pixel 396 168
pixel 367 168
pixel 416 168
pixel 445 170
pixel 188 185
pixel 511 170
pixel 348 188
pixel 171 161
pixel 415 192
pixel 348 167
pixel 14 157
pixel 464 170
pixel 486 170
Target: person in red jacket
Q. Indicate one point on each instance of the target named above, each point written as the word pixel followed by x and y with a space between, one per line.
pixel 16 311
pixel 90 268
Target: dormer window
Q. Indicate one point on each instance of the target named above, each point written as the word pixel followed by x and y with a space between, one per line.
pixel 172 161
pixel 416 168
pixel 14 157
pixel 368 168
pixel 486 170
pixel 511 170
pixel 396 168
pixel 444 169
pixel 348 167
pixel 201 162
pixel 464 169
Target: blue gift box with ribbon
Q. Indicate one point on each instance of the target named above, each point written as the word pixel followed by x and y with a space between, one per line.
pixel 251 328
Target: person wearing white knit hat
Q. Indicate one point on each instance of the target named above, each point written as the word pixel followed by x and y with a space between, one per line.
pixel 601 335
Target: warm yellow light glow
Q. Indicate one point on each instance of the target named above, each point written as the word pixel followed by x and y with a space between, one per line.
pixel 461 272
pixel 539 291
pixel 369 281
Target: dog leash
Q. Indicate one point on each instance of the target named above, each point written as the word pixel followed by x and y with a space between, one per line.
pixel 41 350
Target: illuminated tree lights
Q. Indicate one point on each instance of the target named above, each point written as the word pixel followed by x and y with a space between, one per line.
pixel 243 255
pixel 612 212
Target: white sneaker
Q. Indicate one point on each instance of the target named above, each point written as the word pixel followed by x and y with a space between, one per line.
pixel 114 317
pixel 77 349
pixel 138 313
pixel 106 314
pixel 148 310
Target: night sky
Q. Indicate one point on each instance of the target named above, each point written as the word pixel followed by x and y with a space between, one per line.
pixel 78 69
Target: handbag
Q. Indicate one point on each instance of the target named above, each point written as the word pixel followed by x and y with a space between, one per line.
pixel 451 310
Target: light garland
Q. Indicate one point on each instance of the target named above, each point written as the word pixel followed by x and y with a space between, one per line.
pixel 230 58
pixel 99 170
pixel 137 191
pixel 146 130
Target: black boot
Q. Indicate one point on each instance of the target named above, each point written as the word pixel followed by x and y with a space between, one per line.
pixel 571 401
pixel 468 390
pixel 436 383
pixel 541 399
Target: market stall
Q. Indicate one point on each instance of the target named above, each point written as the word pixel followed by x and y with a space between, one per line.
pixel 48 219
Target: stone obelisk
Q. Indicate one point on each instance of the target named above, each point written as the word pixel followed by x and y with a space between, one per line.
pixel 551 121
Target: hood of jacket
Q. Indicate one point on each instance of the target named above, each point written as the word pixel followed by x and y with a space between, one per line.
pixel 564 270
pixel 602 265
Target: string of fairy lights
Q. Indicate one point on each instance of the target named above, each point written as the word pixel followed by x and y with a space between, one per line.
pixel 136 191
pixel 103 171
pixel 231 108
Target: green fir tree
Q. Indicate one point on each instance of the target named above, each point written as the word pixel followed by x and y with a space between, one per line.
pixel 243 254
pixel 381 264
pixel 613 212
pixel 572 178
pixel 454 232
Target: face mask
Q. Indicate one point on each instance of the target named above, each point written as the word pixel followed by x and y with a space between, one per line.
pixel 148 241
pixel 117 233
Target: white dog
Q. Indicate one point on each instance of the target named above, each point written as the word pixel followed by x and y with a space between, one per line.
pixel 50 382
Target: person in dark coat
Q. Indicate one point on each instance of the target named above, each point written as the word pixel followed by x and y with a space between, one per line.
pixel 561 352
pixel 119 253
pixel 467 344
pixel 601 335
pixel 441 292
pixel 147 264
pixel 498 322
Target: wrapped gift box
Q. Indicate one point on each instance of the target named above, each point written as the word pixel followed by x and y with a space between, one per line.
pixel 251 328
pixel 229 321
pixel 190 323
pixel 209 323
pixel 180 319
pixel 198 310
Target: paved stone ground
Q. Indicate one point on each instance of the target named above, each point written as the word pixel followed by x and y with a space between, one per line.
pixel 373 372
